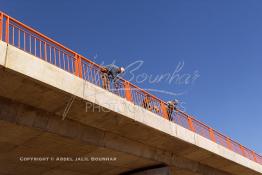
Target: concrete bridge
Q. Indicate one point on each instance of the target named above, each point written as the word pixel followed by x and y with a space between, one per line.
pixel 56 119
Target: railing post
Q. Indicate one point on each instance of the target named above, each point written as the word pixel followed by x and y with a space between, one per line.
pixel 128 91
pixel 7 30
pixel 78 66
pixel 229 146
pixel 254 156
pixel 211 134
pixel 190 123
pixel 164 110
pixel 242 150
pixel 1 25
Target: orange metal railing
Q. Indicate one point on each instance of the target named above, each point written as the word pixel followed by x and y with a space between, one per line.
pixel 29 40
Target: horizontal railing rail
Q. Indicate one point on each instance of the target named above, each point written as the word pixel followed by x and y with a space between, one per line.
pixel 33 42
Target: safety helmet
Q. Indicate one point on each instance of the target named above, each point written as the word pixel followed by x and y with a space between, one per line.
pixel 122 69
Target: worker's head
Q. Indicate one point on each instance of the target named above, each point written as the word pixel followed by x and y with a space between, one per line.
pixel 121 70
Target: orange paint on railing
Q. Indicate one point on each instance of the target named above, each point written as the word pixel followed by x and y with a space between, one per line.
pixel 7 30
pixel 127 91
pixel 78 71
pixel 136 95
pixel 164 110
pixel 212 136
pixel 79 64
pixel 229 145
pixel 242 150
pixel 190 123
pixel 1 25
pixel 254 156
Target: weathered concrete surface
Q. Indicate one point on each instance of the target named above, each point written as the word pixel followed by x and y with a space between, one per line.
pixel 33 82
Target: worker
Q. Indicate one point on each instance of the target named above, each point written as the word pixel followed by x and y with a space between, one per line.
pixel 110 74
pixel 171 107
pixel 147 104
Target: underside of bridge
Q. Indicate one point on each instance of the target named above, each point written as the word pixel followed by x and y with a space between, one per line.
pixel 19 142
pixel 28 132
pixel 39 120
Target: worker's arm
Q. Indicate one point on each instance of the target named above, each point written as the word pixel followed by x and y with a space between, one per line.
pixel 104 70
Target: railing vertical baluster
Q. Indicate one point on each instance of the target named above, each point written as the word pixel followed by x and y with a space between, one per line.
pixel 45 51
pixel 30 43
pixel 87 71
pixel 137 95
pixel 84 71
pixel 68 62
pixel 24 41
pixel 18 38
pixel 40 48
pixel 98 75
pixel 59 54
pixel 50 54
pixel 13 35
pixel 35 45
pixel 91 74
pixel 133 93
pixel 55 55
pixel 141 97
pixel 63 57
pixel 72 64
pixel 179 119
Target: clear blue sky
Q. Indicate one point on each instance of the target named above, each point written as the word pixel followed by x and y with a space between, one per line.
pixel 221 39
